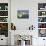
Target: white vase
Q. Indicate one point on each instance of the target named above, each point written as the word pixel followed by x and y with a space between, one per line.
pixel 22 43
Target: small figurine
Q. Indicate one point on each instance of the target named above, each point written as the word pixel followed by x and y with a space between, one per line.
pixel 31 27
pixel 13 27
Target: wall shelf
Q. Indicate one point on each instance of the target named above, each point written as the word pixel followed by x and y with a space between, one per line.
pixel 3 10
pixel 3 16
pixel 42 10
pixel 3 22
pixel 41 22
pixel 42 16
pixel 41 28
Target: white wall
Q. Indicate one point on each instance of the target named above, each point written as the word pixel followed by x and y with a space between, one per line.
pixel 23 24
pixel 32 6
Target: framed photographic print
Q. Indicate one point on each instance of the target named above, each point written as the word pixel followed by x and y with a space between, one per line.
pixel 41 6
pixel 42 32
pixel 3 19
pixel 4 29
pixel 22 14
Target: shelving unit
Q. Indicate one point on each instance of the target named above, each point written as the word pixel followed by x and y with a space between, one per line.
pixel 4 19
pixel 42 19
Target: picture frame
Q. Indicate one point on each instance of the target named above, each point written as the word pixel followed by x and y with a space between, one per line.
pixel 42 33
pixel 23 14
